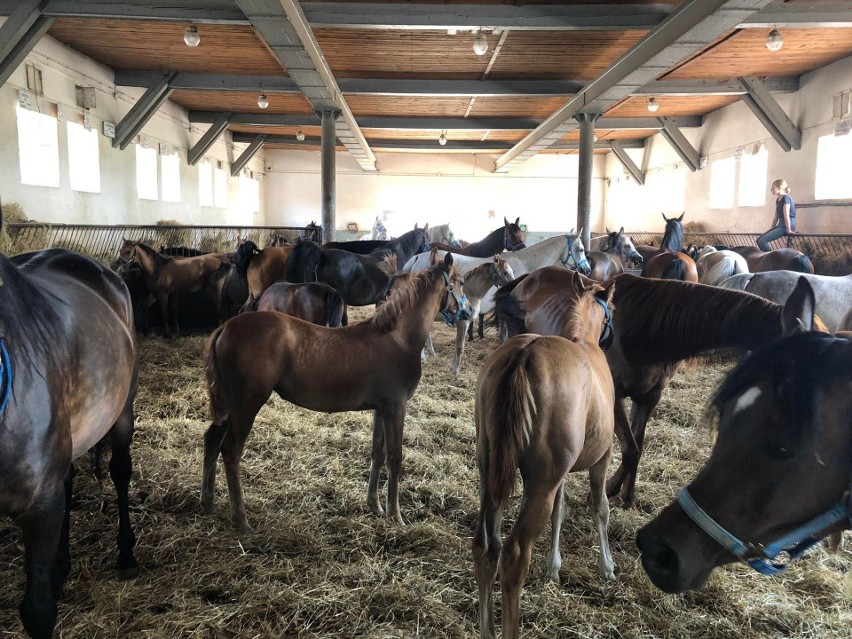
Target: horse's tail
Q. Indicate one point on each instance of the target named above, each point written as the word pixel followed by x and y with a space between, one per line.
pixel 722 270
pixel 215 384
pixel 508 310
pixel 245 253
pixel 801 264
pixel 676 270
pixel 508 427
pixel 333 308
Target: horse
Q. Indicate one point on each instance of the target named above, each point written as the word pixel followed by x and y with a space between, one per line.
pixel 670 262
pixel 508 237
pixel 477 282
pixel 617 251
pixel 833 293
pixel 291 236
pixel 378 232
pixel 784 259
pixel 68 367
pixel 778 479
pixel 443 234
pixel 544 405
pixel 714 266
pixel 404 247
pixel 261 268
pixel 657 323
pixel 313 302
pixel 167 276
pixel 369 365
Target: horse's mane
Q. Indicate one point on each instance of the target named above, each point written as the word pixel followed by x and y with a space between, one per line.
pixel 509 309
pixel 409 241
pixel 673 236
pixel 403 294
pixel 668 320
pixel 303 259
pixel 157 257
pixel 245 252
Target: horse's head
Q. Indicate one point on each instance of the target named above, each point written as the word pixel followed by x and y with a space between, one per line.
pixel 311 232
pixel 423 238
pixel 277 240
pixel 502 272
pixel 513 236
pixel 590 315
pixel 673 235
pixel 379 230
pixel 781 458
pixel 623 246
pixel 455 306
pixel 128 249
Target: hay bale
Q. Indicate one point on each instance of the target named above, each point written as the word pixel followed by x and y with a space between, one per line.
pixel 218 242
pixel 13 213
pixel 170 237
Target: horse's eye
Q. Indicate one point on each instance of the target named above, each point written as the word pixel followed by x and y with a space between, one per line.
pixel 450 288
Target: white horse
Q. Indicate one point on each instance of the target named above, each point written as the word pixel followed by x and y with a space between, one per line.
pixel 715 266
pixel 443 234
pixel 378 232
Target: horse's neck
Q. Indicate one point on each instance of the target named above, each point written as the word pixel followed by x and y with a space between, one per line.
pixel 478 281
pixel 147 260
pixel 539 255
pixel 415 323
pixel 671 241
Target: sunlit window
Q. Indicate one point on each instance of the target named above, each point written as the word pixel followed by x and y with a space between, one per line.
pixel 249 194
pixel 38 148
pixel 753 181
pixel 220 188
pixel 205 184
pixel 722 183
pixel 84 168
pixel 170 177
pixel 146 173
pixel 834 154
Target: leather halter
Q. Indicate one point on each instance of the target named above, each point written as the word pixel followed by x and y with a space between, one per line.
pixel 762 558
pixel 507 244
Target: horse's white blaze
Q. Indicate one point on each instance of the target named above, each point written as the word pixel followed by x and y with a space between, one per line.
pixel 747 399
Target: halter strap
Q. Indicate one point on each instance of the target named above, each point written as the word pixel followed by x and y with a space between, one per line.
pixel 607 334
pixel 757 556
pixel 6 375
pixel 569 258
pixel 506 243
pixel 451 318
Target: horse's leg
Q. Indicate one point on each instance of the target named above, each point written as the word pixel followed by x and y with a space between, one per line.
pixel 345 320
pixel 600 512
pixel 393 419
pixel 232 446
pixel 120 469
pixel 163 301
pixel 554 558
pixel 639 415
pixel 629 449
pixel 42 528
pixel 212 445
pixel 486 555
pixel 481 325
pixel 460 331
pixel 536 507
pixel 63 552
pixel 173 311
pixel 377 461
pixel 469 326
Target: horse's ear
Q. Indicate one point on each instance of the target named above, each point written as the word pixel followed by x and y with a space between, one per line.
pixel 664 217
pixel 609 294
pixel 505 221
pixel 579 287
pixel 606 228
pixel 433 256
pixel 426 228
pixel 517 221
pixel 798 312
pixel 580 232
pixel 571 232
pixel 680 219
pixel 621 231
pixel 448 260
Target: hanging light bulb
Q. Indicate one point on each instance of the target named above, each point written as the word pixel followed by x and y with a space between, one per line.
pixel 480 45
pixel 774 41
pixel 300 136
pixel 191 37
pixel 262 101
pixel 442 139
pixel 653 105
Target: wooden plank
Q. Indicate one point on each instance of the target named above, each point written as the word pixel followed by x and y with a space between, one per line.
pixel 672 106
pixel 241 102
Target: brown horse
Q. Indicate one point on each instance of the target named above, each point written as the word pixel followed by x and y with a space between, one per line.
pixel 370 365
pixel 167 276
pixel 261 268
pixel 313 302
pixel 670 262
pixel 778 478
pixel 508 237
pixel 657 323
pixel 68 358
pixel 610 260
pixel 784 259
pixel 544 405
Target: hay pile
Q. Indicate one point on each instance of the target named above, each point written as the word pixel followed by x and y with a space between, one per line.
pixel 317 564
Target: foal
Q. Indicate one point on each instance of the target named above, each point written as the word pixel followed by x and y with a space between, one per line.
pixel 544 405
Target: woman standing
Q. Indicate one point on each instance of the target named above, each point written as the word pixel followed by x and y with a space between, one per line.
pixel 784 222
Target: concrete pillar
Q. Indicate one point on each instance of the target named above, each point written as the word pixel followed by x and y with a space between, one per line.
pixel 329 140
pixel 584 186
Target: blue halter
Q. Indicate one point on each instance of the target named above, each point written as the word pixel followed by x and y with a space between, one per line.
pixel 762 558
pixel 607 334
pixel 507 244
pixel 6 376
pixel 570 258
pixel 461 313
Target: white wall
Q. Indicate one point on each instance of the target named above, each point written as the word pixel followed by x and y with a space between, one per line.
pixel 435 188
pixel 117 203
pixel 722 132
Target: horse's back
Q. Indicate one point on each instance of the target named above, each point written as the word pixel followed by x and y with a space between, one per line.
pixel 833 295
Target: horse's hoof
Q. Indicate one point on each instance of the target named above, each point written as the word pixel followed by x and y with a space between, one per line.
pixel 207 506
pixel 128 572
pixel 243 526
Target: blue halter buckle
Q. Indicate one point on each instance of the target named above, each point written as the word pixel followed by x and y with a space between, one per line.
pixel 6 375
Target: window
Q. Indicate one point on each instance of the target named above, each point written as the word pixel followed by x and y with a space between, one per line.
pixel 249 194
pixel 146 173
pixel 834 153
pixel 220 188
pixel 722 183
pixel 84 168
pixel 753 181
pixel 205 184
pixel 38 148
pixel 170 177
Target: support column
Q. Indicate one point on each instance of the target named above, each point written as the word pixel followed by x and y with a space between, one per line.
pixel 584 186
pixel 328 140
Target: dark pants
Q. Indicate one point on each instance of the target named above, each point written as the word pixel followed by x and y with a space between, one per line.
pixel 774 233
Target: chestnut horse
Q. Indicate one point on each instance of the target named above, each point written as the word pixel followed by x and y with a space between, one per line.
pixel 313 302
pixel 68 358
pixel 261 268
pixel 783 259
pixel 780 473
pixel 508 237
pixel 610 260
pixel 544 405
pixel 167 276
pixel 370 365
pixel 670 262
pixel 657 323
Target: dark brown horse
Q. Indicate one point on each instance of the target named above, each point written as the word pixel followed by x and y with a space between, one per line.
pixel 670 262
pixel 370 365
pixel 657 323
pixel 610 260
pixel 403 247
pixel 508 237
pixel 167 276
pixel 544 405
pixel 780 473
pixel 68 359
pixel 784 259
pixel 313 302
